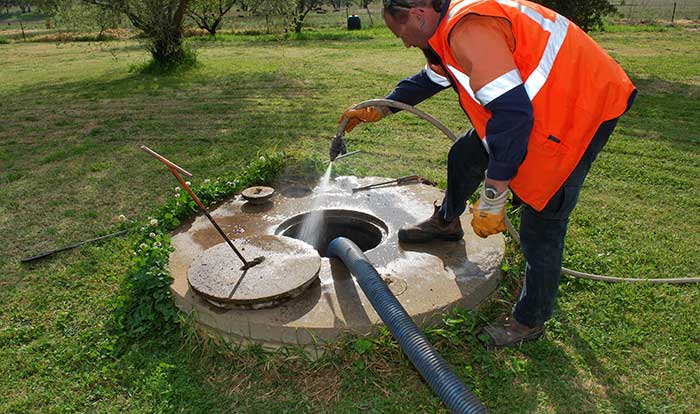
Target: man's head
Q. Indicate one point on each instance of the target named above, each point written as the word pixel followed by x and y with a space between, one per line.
pixel 413 21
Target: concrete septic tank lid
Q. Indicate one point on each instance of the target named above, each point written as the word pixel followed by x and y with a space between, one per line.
pixel 289 266
pixel 258 194
pixel 428 279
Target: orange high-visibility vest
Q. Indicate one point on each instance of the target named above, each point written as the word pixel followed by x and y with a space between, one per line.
pixel 574 86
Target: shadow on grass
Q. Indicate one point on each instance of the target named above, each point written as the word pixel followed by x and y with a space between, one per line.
pixel 79 142
pixel 543 377
pixel 666 111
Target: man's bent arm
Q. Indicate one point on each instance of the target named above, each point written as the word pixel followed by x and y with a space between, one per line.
pixel 419 87
pixel 483 47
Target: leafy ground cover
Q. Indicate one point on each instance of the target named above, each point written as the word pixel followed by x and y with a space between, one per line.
pixel 73 114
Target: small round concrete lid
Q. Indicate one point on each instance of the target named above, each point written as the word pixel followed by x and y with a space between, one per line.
pixel 289 266
pixel 258 194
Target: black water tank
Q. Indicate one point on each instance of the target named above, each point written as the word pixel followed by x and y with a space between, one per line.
pixel 354 22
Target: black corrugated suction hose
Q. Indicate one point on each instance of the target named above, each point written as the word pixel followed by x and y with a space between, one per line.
pixel 415 345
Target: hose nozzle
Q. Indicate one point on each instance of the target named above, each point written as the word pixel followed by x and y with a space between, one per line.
pixel 348 154
pixel 338 147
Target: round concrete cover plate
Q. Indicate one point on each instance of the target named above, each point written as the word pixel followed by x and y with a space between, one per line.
pixel 290 265
pixel 257 194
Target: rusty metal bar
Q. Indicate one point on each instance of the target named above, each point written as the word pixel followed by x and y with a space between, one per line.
pixel 175 169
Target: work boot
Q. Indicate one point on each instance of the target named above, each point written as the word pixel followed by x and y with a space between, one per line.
pixel 508 332
pixel 433 228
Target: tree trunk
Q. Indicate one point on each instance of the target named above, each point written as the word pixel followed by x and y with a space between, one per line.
pixel 168 47
pixel 302 11
pixel 215 26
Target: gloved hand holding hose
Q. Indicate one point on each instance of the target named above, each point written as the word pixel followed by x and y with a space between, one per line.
pixel 355 117
pixel 369 114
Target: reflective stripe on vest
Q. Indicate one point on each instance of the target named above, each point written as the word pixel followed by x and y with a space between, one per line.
pixel 538 77
pixel 436 77
pixel 498 87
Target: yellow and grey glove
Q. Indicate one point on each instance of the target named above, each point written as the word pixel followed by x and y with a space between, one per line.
pixel 356 116
pixel 489 212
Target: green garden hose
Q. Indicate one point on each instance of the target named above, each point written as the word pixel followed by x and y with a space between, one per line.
pixel 511 229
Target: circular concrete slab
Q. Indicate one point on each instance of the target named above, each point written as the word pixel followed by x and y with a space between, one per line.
pixel 288 267
pixel 258 194
pixel 428 279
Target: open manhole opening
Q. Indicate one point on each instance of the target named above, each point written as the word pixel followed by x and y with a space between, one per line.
pixel 320 227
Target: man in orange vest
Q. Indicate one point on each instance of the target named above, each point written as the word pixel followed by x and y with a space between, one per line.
pixel 542 97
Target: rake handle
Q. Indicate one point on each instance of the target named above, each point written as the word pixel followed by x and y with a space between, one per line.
pixel 165 160
pixel 175 169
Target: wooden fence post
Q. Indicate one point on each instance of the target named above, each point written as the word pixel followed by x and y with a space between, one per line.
pixel 673 16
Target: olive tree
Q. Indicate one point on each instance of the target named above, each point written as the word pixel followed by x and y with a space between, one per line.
pixel 25 6
pixel 75 14
pixel 293 11
pixel 159 20
pixel 299 11
pixel 269 8
pixel 208 14
pixel 587 14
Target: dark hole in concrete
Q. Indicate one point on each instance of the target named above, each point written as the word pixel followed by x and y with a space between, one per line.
pixel 296 191
pixel 366 231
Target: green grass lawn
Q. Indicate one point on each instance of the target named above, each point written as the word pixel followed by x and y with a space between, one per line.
pixel 72 114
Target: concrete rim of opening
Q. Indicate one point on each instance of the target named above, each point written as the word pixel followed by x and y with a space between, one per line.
pixel 366 230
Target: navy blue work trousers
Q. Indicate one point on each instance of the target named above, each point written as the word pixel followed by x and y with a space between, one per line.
pixel 542 233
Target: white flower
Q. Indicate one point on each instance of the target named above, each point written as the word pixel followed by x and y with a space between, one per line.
pixel 207 181
pixel 154 222
pixel 230 183
pixel 122 217
pixel 188 183
pixel 156 244
pixel 177 189
pixel 143 246
pixel 176 195
pixel 152 235
pixel 262 158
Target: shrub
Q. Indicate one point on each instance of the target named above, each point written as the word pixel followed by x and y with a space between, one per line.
pixel 587 14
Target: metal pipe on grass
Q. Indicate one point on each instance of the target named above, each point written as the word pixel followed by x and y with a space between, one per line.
pixel 72 246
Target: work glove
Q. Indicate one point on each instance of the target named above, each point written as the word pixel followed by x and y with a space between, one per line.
pixel 355 116
pixel 337 147
pixel 489 213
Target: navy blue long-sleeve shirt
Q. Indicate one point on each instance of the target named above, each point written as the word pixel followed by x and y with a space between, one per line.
pixel 507 132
